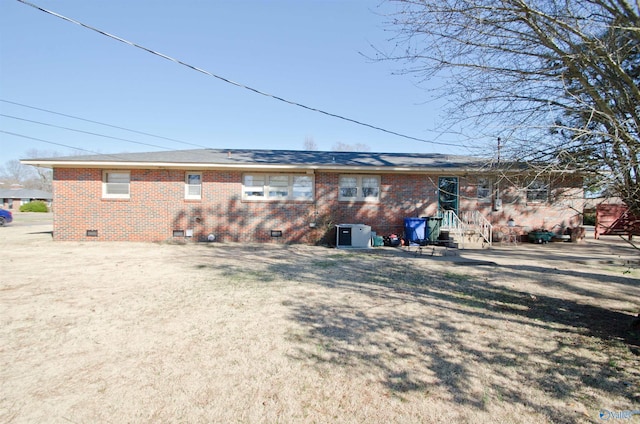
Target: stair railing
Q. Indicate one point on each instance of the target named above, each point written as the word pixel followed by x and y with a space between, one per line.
pixel 470 220
pixel 453 224
pixel 481 223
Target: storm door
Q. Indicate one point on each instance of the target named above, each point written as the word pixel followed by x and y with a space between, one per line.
pixel 448 194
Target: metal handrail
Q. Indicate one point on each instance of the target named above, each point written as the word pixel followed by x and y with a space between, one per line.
pixel 475 219
pixel 453 223
pixel 481 222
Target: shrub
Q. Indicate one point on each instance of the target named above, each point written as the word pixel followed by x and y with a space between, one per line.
pixel 35 206
pixel 589 218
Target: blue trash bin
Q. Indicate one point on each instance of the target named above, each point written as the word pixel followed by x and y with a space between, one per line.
pixel 415 230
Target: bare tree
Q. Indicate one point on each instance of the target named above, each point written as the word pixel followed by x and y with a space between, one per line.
pixel 13 172
pixel 344 147
pixel 45 175
pixel 310 144
pixel 557 80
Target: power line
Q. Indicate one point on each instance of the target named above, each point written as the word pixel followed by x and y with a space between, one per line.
pixel 102 123
pixel 55 144
pixel 228 81
pixel 83 132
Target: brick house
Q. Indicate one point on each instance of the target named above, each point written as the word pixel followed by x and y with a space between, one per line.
pixel 15 197
pixel 253 195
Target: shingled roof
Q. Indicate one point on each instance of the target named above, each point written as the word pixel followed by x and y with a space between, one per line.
pixel 269 159
pixel 25 193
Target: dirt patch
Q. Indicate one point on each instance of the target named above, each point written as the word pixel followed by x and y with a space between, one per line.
pixel 130 332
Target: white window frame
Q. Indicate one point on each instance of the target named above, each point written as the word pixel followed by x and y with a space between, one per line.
pixel 189 188
pixel 360 187
pixel 538 191
pixel 484 183
pixel 257 188
pixel 271 187
pixel 297 186
pixel 106 185
pixel 278 187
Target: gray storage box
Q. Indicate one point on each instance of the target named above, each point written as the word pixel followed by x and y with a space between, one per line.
pixel 353 236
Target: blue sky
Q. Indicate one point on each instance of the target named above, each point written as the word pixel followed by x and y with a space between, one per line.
pixel 309 51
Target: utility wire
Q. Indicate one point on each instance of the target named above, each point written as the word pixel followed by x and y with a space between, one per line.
pixel 102 123
pixel 84 132
pixel 56 144
pixel 228 81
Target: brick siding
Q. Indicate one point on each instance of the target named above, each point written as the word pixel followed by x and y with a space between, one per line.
pixel 157 207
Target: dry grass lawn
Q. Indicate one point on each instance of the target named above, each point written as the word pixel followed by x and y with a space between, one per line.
pixel 226 333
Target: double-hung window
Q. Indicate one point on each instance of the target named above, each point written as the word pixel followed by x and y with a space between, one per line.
pixel 193 186
pixel 253 186
pixel 277 187
pixel 359 188
pixel 538 191
pixel 484 190
pixel 115 184
pixel 302 187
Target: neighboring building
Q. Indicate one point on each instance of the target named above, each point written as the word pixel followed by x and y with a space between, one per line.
pixel 13 198
pixel 253 195
pixel 613 218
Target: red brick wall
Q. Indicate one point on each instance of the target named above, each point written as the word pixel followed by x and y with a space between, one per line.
pixel 157 207
pixel 564 209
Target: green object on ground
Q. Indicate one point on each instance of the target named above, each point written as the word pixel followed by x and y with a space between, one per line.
pixel 540 236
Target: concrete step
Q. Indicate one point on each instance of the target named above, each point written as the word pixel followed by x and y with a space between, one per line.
pixel 468 240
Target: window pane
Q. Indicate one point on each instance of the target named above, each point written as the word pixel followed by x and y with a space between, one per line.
pixel 118 177
pixel 484 188
pixel 370 187
pixel 348 187
pixel 278 186
pixel 370 191
pixel 348 182
pixel 253 186
pixel 117 188
pixel 279 181
pixel 254 180
pixel 194 179
pixel 538 191
pixel 194 189
pixel 254 192
pixel 369 182
pixel 302 187
pixel 348 192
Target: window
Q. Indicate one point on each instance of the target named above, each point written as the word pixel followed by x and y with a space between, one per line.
pixel 303 187
pixel 115 184
pixel 537 192
pixel 193 185
pixel 348 188
pixel 359 188
pixel 277 187
pixel 484 190
pixel 370 187
pixel 253 187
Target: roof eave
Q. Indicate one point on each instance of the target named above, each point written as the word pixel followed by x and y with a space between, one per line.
pixel 241 166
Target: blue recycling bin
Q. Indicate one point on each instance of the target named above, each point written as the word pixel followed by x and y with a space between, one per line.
pixel 416 230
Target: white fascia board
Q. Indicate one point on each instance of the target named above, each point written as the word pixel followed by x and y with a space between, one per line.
pixel 237 166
